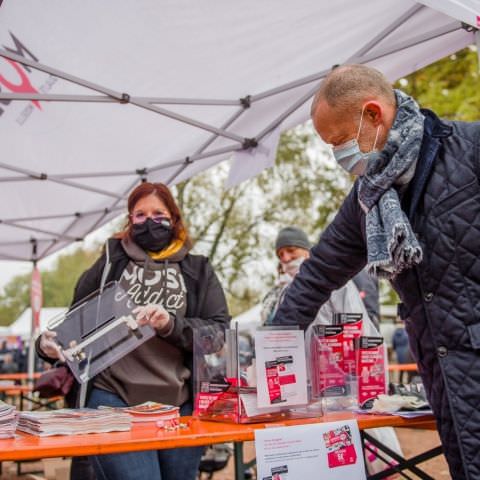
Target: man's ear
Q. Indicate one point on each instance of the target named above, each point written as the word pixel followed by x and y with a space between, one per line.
pixel 373 111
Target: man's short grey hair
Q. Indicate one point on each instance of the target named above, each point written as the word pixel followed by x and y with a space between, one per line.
pixel 346 87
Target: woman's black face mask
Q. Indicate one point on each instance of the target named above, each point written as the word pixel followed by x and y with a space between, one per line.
pixel 151 235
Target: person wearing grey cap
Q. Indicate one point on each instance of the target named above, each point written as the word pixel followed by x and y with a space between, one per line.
pixel 292 247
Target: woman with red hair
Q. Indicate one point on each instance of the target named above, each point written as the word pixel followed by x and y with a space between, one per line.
pixel 175 292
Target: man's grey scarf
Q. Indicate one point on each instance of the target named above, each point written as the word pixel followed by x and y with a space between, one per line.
pixel 391 243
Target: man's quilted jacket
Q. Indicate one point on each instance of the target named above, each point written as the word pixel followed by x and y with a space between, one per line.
pixel 440 298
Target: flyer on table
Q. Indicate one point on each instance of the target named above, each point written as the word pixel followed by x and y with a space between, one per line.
pixel 281 368
pixel 330 451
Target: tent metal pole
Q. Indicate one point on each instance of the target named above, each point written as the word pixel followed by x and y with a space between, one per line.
pixel 104 212
pixel 190 101
pixel 227 124
pixel 174 175
pixel 4 256
pixel 13 243
pixel 388 30
pixel 121 97
pixel 84 187
pixel 29 175
pixel 45 177
pixel 58 73
pixel 195 157
pixel 59 237
pixel 83 214
pixel 120 173
pixel 23 178
pixel 58 97
pixel 55 241
pixel 38 230
pixel 291 85
pixel 113 207
pixel 22 242
pixel 232 119
pixel 33 332
pixel 187 120
pixel 304 98
pixel 445 30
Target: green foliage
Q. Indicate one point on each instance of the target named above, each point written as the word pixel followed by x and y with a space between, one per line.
pixel 449 87
pixel 58 284
pixel 15 299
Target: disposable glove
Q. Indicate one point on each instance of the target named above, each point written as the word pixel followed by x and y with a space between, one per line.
pixel 50 347
pixel 154 315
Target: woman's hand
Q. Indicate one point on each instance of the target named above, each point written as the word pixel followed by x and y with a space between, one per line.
pixel 50 347
pixel 154 315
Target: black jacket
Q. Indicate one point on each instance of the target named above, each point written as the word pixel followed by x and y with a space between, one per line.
pixel 440 297
pixel 206 304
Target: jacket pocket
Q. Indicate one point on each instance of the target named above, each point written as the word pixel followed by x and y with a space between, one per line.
pixel 474 334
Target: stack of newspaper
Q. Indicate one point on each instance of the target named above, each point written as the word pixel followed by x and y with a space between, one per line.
pixel 166 416
pixel 69 421
pixel 8 420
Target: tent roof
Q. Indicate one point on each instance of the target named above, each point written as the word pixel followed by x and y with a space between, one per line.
pixel 111 93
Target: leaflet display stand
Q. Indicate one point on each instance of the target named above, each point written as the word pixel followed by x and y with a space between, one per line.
pixel 225 382
pixel 99 331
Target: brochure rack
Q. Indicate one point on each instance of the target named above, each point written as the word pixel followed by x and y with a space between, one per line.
pixel 347 369
pixel 226 380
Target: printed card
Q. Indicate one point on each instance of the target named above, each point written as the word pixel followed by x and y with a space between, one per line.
pixel 281 368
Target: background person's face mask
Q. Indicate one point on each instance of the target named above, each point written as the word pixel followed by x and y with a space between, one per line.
pixel 349 156
pixel 292 267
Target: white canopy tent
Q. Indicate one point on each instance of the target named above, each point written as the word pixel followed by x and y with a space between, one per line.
pixel 96 96
pixel 21 327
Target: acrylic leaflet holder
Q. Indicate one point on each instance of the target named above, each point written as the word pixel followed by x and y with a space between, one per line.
pixel 97 332
pixel 235 382
pixel 347 368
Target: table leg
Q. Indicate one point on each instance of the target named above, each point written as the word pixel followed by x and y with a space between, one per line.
pixel 403 464
pixel 238 460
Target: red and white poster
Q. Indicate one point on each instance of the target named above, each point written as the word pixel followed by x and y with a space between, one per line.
pixel 332 450
pixel 281 368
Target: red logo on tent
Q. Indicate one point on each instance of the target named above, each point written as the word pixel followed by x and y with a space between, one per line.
pixel 478 20
pixel 21 84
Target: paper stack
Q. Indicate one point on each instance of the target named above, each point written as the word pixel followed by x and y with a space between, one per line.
pixel 69 421
pixel 8 420
pixel 166 416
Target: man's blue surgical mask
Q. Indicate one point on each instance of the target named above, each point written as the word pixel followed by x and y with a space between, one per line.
pixel 349 156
